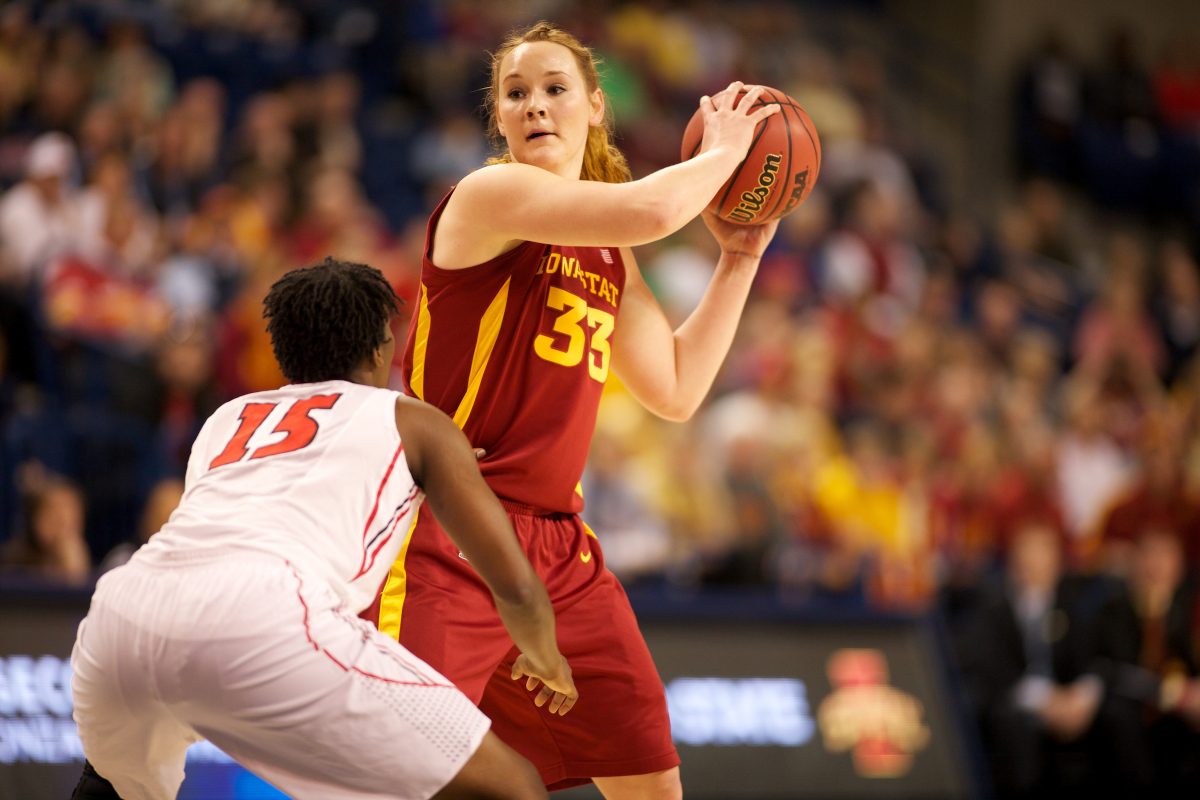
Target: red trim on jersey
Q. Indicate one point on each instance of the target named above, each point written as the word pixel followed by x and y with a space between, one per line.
pixel 399 515
pixel 343 667
pixel 375 508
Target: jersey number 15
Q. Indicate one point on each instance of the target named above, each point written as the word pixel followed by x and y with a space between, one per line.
pixel 300 428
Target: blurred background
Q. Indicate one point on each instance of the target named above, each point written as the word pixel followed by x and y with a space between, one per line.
pixel 947 483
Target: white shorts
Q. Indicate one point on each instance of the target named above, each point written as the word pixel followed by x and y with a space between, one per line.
pixel 267 666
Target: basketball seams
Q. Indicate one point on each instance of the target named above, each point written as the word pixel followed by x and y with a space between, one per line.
pixel 787 171
pixel 800 115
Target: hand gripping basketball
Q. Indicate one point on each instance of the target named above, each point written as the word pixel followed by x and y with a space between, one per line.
pixel 558 688
pixel 782 160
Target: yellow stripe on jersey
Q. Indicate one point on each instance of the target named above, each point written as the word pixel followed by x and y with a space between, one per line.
pixel 420 343
pixel 485 341
pixel 587 529
pixel 391 601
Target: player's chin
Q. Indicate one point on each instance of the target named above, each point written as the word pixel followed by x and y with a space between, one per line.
pixel 545 157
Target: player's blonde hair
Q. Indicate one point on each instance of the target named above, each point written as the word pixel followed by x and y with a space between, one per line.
pixel 602 161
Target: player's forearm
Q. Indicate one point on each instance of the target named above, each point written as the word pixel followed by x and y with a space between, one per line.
pixel 677 194
pixel 530 622
pixel 701 343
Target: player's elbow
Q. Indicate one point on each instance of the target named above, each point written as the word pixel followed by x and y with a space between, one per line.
pixel 674 409
pixel 663 217
pixel 521 593
pixel 648 216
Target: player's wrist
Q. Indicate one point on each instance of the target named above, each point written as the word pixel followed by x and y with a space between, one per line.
pixel 746 255
pixel 545 664
pixel 739 261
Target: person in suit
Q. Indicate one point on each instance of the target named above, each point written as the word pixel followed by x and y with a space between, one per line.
pixel 1025 662
pixel 1147 652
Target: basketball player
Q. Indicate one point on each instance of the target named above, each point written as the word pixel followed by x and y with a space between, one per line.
pixel 236 622
pixel 526 266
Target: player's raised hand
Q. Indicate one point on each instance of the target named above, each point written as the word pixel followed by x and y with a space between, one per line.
pixel 730 117
pixel 558 688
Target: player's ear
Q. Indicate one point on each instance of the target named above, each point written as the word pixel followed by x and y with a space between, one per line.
pixel 597 103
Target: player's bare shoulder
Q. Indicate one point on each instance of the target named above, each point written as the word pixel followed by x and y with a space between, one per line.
pixel 423 428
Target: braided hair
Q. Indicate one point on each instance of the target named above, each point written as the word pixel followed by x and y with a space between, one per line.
pixel 326 320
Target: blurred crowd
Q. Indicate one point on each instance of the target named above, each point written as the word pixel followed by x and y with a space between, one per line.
pixel 996 417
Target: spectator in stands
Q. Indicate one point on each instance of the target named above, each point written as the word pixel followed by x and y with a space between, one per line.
pixel 1122 145
pixel 1146 653
pixel 1177 304
pixel 1177 83
pixel 337 141
pixel 1091 468
pixel 186 151
pixel 135 77
pixel 50 543
pixel 636 542
pixel 1158 497
pixel 1025 654
pixel 116 234
pixel 21 46
pixel 265 141
pixel 185 390
pixel 1116 329
pixel 1049 107
pixel 759 528
pixel 1119 89
pixel 39 217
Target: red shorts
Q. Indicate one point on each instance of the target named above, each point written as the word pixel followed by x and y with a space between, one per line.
pixel 445 615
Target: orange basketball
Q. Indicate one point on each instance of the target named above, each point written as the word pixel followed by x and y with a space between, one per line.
pixel 779 170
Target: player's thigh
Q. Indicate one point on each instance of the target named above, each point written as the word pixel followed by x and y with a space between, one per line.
pixel 130 737
pixel 494 771
pixel 442 612
pixel 620 725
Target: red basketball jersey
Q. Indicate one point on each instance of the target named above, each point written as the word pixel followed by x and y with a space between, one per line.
pixel 517 350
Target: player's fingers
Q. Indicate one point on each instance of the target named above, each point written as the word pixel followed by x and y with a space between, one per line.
pixel 762 112
pixel 532 683
pixel 730 95
pixel 567 704
pixel 748 99
pixel 480 453
pixel 543 696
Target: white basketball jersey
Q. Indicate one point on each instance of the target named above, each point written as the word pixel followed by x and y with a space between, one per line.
pixel 314 473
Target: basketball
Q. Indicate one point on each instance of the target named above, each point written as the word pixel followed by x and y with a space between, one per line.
pixel 778 172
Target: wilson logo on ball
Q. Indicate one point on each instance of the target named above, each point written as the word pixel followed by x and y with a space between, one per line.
pixel 752 202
